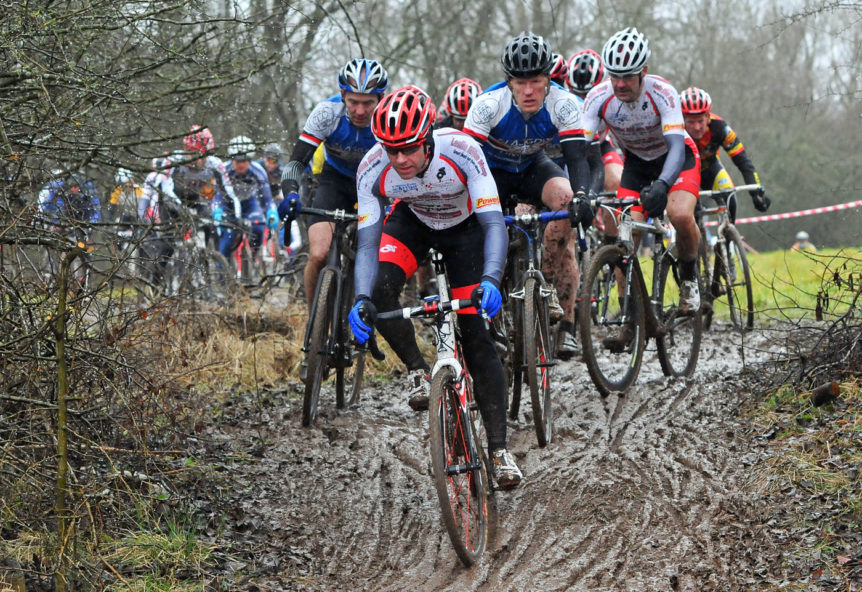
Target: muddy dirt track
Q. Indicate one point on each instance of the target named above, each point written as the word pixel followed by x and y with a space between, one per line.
pixel 636 493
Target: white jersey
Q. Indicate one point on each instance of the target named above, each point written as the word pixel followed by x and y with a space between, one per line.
pixel 641 126
pixel 456 183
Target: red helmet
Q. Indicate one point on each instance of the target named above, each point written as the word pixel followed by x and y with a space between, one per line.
pixel 694 100
pixel 559 69
pixel 460 95
pixel 200 140
pixel 403 118
pixel 585 70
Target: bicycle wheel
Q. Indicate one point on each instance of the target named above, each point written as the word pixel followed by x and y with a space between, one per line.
pixel 678 340
pixel 736 279
pixel 518 357
pixel 350 361
pixel 539 350
pixel 317 354
pixel 216 275
pixel 707 277
pixel 612 339
pixel 460 476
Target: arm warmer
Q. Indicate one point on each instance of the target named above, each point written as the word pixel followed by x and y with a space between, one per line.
pixel 675 159
pixel 574 153
pixel 299 159
pixel 496 245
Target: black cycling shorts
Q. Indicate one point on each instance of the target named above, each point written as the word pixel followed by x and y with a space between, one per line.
pixel 334 192
pixel 528 184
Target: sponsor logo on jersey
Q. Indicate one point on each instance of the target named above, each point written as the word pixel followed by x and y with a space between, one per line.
pixel 672 126
pixel 388 248
pixel 485 110
pixel 567 112
pixel 404 187
pixel 363 218
pixel 484 202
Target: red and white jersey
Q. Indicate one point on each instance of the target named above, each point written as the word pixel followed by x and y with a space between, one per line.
pixel 456 183
pixel 639 127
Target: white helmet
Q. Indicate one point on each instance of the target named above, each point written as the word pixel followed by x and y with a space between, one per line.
pixel 123 176
pixel 626 52
pixel 241 148
pixel 801 236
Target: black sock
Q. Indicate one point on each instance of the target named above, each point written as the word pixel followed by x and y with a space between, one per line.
pixel 567 326
pixel 688 269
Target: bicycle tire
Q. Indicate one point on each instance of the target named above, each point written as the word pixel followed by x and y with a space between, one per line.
pixel 350 367
pixel 707 275
pixel 518 357
pixel 247 271
pixel 317 359
pixel 460 475
pixel 678 343
pixel 584 260
pixel 218 277
pixel 738 287
pixel 539 350
pixel 611 371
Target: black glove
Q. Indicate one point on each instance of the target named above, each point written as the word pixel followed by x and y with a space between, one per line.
pixel 581 212
pixel 654 198
pixel 761 202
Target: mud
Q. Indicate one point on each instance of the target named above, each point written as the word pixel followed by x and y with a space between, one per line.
pixel 642 492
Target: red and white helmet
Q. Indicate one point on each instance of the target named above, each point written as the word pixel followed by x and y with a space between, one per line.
pixel 585 70
pixel 559 69
pixel 694 100
pixel 459 97
pixel 403 118
pixel 200 140
pixel 626 52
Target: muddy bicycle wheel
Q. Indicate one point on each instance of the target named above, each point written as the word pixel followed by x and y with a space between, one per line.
pixel 707 276
pixel 612 339
pixel 539 354
pixel 736 279
pixel 317 354
pixel 460 476
pixel 678 342
pixel 518 361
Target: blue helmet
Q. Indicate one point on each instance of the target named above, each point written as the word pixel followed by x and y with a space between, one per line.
pixel 363 77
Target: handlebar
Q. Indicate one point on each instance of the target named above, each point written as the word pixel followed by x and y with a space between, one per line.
pixel 729 190
pixel 530 219
pixel 333 214
pixel 428 309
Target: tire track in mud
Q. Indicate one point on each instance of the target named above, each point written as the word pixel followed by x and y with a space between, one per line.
pixel 634 493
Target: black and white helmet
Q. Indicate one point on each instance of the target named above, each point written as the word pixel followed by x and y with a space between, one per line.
pixel 527 55
pixel 241 148
pixel 363 76
pixel 626 52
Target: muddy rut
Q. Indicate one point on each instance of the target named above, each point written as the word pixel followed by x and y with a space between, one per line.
pixel 642 492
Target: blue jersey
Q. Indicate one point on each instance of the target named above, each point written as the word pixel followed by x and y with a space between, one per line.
pixel 344 144
pixel 252 190
pixel 512 141
pixel 58 202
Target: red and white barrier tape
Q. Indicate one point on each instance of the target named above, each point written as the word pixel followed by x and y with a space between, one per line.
pixel 800 213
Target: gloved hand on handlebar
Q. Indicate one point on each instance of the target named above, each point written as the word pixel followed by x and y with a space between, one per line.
pixel 488 297
pixel 654 198
pixel 758 197
pixel 290 206
pixel 272 218
pixel 580 211
pixel 217 214
pixel 361 318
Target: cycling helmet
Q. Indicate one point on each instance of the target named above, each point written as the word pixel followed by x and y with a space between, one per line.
pixel 801 236
pixel 585 70
pixel 200 140
pixel 123 176
pixel 559 69
pixel 159 163
pixel 459 97
pixel 626 52
pixel 403 118
pixel 694 100
pixel 272 151
pixel 240 148
pixel 527 55
pixel 363 76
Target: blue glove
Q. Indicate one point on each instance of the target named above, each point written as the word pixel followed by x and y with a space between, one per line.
pixel 272 218
pixel 217 214
pixel 491 298
pixel 290 206
pixel 361 318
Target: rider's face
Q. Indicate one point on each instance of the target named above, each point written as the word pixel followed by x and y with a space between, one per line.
pixel 696 124
pixel 241 166
pixel 407 162
pixel 627 88
pixel 529 93
pixel 360 107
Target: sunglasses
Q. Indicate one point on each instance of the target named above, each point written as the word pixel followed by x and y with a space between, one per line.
pixel 407 151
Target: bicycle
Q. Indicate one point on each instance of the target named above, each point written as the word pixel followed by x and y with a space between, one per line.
pixel 328 343
pixel 196 268
pixel 617 320
pixel 458 461
pixel 526 321
pixel 724 268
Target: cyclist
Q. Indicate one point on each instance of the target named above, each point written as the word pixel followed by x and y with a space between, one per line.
pixel 157 196
pixel 559 70
pixel 251 186
pixel 803 242
pixel 444 198
pixel 70 199
pixel 271 163
pixel 662 165
pixel 197 182
pixel 710 132
pixel 123 201
pixel 459 97
pixel 341 124
pixel 515 120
